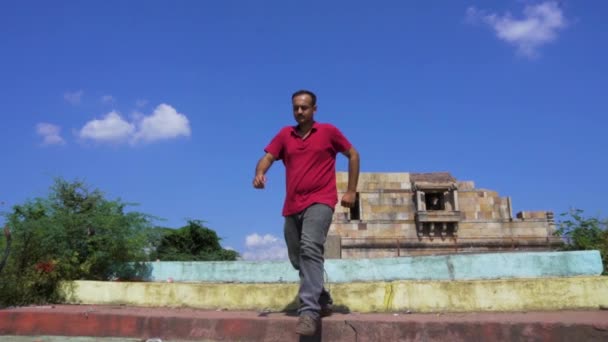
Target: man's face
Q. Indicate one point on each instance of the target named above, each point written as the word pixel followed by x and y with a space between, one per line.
pixel 303 109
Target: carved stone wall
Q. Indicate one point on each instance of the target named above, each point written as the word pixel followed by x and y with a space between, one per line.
pixel 432 213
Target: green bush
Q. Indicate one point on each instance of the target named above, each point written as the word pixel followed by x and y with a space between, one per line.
pixel 584 233
pixel 194 242
pixel 74 233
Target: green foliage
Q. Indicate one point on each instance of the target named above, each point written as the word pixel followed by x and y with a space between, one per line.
pixel 74 233
pixel 584 233
pixel 154 236
pixel 5 247
pixel 194 242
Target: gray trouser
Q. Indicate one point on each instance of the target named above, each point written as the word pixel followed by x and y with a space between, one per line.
pixel 305 234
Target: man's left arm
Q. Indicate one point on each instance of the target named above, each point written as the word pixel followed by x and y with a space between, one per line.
pixel 349 198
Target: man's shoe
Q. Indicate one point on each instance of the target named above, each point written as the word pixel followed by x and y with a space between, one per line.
pixel 306 326
pixel 326 310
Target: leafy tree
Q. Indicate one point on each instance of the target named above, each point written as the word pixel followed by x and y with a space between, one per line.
pixel 193 242
pixel 74 233
pixel 154 236
pixel 6 247
pixel 584 233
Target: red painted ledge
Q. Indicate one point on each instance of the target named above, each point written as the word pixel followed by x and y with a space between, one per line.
pixel 190 324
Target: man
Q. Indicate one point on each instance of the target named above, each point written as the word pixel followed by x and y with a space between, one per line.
pixel 308 151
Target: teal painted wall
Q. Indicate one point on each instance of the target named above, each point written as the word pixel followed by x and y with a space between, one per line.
pixel 442 267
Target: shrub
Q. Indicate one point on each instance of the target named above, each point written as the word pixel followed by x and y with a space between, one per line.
pixel 74 233
pixel 584 233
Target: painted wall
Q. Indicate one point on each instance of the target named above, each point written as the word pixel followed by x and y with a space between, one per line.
pixel 444 267
pixel 399 296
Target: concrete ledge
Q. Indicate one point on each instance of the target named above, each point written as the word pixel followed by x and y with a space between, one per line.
pixel 417 296
pixel 173 324
pixel 442 267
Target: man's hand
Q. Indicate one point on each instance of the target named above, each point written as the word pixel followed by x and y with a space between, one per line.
pixel 259 181
pixel 349 198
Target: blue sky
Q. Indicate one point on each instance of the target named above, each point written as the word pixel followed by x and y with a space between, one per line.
pixel 169 104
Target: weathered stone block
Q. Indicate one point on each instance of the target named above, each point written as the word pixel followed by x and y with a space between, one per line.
pixel 392 185
pixel 342 177
pixel 491 232
pixel 371 186
pixel 405 216
pixel 386 216
pixel 465 185
pixel 528 224
pixel 388 209
pixel 532 215
pixel 469 215
pixel 468 232
pixel 467 200
pixel 503 212
pixel 397 177
pixel 369 198
pixel 333 247
pixel 366 208
pixel 367 253
pixel 344 226
pixel 490 193
pixel 468 194
pixel 469 208
pixel 486 207
pixel 524 231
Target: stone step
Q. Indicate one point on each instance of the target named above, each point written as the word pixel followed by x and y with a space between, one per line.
pixel 417 296
pixel 198 325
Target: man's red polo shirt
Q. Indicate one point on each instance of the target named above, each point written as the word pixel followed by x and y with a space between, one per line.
pixel 310 165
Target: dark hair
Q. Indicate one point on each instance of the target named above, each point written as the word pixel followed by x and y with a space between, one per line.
pixel 306 92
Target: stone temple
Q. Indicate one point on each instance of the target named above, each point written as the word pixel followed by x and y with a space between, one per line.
pixel 399 214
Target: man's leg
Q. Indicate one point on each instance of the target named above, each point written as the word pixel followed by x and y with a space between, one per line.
pixel 326 303
pixel 292 230
pixel 316 220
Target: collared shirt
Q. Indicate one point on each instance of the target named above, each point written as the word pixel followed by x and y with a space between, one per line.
pixel 310 165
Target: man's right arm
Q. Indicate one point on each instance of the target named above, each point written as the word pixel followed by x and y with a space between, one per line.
pixel 259 181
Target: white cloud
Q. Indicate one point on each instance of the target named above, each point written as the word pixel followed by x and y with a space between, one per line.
pixel 264 247
pixel 112 128
pixel 107 99
pixel 73 97
pixel 164 123
pixel 50 134
pixel 538 27
pixel 256 240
